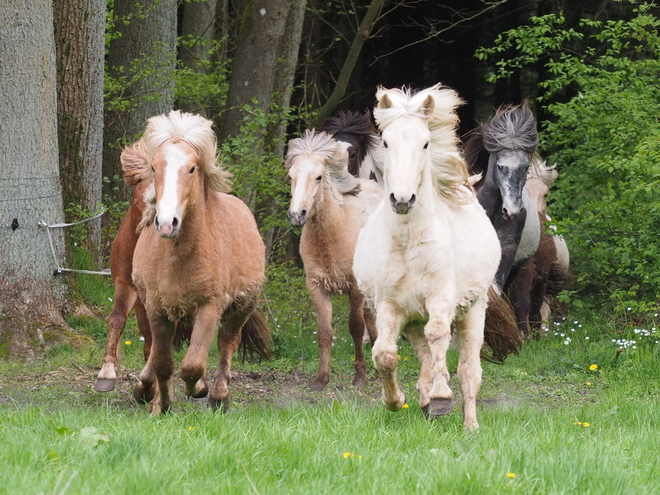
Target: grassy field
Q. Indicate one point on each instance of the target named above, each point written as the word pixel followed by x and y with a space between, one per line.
pixel 571 414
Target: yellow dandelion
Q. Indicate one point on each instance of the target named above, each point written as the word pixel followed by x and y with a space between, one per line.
pixel 405 406
pixel 511 475
pixel 398 356
pixel 586 425
pixel 347 455
pixel 128 342
pixel 191 428
pixel 593 367
pixel 588 384
pixel 578 423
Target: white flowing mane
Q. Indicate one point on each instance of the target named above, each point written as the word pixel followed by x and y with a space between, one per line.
pixel 448 168
pixel 334 159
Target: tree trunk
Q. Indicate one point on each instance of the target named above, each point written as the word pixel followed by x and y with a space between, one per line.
pixel 141 60
pixel 80 49
pixel 197 35
pixel 30 297
pixel 259 40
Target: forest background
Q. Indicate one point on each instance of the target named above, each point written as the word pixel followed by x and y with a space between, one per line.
pixel 78 78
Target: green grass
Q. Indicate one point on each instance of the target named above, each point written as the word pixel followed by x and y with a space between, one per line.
pixel 549 423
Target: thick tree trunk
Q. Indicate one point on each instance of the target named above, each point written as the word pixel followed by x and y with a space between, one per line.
pixel 30 297
pixel 80 48
pixel 259 40
pixel 144 55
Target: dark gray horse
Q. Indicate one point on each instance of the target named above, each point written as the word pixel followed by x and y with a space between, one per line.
pixel 503 150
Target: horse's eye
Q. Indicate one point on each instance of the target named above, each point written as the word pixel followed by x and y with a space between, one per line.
pixel 426 146
pixel 385 144
pixel 319 178
pixel 192 170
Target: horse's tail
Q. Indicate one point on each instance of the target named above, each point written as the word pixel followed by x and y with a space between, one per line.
pixel 501 332
pixel 182 334
pixel 559 279
pixel 255 340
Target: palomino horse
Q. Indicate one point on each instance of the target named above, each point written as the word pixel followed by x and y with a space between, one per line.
pixel 125 296
pixel 502 150
pixel 428 253
pixel 331 206
pixel 363 139
pixel 199 259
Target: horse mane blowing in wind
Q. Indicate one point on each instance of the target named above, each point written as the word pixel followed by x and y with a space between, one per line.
pixel 427 257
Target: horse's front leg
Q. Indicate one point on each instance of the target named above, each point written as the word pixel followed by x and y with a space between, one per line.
pixel 193 366
pixel 470 332
pixel 438 336
pixel 156 376
pixel 389 322
pixel 356 324
pixel 324 334
pixel 415 335
pixel 125 298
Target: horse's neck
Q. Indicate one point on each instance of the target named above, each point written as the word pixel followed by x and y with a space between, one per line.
pixel 195 231
pixel 489 195
pixel 327 213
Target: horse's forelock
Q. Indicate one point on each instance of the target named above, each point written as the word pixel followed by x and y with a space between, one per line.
pixel 512 127
pixel 198 133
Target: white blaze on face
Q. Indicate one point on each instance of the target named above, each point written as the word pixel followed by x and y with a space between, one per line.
pixel 512 171
pixel 306 175
pixel 169 208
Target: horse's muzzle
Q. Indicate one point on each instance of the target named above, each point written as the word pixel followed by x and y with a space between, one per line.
pixel 297 218
pixel 402 207
pixel 169 230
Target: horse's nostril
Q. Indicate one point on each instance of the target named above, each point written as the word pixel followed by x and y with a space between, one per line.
pixel 175 222
pixel 156 222
pixel 413 198
pixel 392 199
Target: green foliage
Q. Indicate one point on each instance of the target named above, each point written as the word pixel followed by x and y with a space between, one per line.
pixel 603 96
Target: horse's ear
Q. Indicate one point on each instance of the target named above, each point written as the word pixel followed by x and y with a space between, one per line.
pixel 428 106
pixel 384 102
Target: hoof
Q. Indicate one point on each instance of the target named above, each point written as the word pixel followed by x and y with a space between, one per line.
pixel 201 393
pixel 219 404
pixel 396 406
pixel 437 408
pixel 142 394
pixel 318 385
pixel 359 382
pixel 104 384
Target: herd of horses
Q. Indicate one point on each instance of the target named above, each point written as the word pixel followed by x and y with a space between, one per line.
pixel 433 239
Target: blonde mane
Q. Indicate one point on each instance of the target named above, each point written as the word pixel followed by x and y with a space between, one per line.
pixel 334 159
pixel 177 126
pixel 448 169
pixel 541 171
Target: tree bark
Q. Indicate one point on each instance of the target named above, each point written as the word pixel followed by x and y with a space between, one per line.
pixel 142 59
pixel 30 297
pixel 260 34
pixel 80 50
pixel 197 34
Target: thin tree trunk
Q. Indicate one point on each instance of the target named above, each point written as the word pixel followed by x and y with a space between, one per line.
pixel 361 36
pixel 144 55
pixel 79 39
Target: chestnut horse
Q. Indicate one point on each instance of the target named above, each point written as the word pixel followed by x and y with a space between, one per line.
pixel 125 296
pixel 427 257
pixel 331 206
pixel 199 259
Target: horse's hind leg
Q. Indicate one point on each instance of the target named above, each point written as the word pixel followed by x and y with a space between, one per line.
pixel 356 323
pixel 324 333
pixel 193 366
pixel 370 324
pixel 389 323
pixel 470 340
pixel 143 325
pixel 125 298
pixel 156 376
pixel 229 339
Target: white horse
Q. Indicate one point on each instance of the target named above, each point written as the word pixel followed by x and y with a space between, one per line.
pixel 428 254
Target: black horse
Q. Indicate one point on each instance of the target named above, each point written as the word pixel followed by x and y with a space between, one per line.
pixel 503 150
